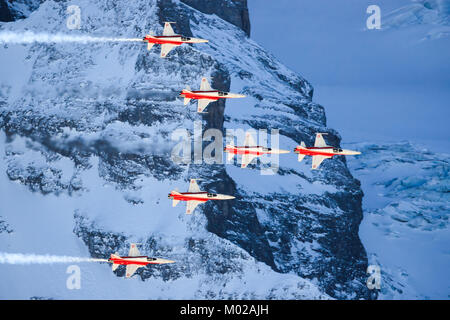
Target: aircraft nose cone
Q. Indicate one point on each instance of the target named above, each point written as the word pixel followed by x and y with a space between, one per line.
pixel 283 151
pixel 201 40
pixel 164 261
pixel 226 197
pixel 240 96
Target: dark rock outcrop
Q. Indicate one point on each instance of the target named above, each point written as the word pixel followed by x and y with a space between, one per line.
pixel 233 11
pixel 12 10
pixel 5 13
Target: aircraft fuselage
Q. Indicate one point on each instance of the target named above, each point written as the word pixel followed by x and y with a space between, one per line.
pixel 198 196
pixel 325 151
pixel 210 94
pixel 175 39
pixel 255 150
pixel 140 260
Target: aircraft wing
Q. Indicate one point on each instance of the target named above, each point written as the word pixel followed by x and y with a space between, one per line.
pixel 317 160
pixel 134 251
pixel 168 31
pixel 175 202
pixel 230 156
pixel 246 159
pixel 165 49
pixel 320 142
pixel 203 103
pixel 131 269
pixel 193 186
pixel 204 85
pixel 249 141
pixel 191 205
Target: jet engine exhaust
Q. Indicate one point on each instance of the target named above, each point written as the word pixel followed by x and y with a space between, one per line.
pixel 19 258
pixel 31 37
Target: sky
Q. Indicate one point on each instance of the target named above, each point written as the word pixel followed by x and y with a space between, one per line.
pixel 378 85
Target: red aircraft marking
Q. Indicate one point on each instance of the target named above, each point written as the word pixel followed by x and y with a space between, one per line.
pixel 196 96
pixel 183 196
pixel 159 40
pixel 312 152
pixel 121 261
pixel 238 150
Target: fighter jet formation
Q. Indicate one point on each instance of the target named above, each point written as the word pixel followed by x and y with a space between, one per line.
pixel 248 152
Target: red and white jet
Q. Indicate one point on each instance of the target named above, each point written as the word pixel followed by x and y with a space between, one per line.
pixel 134 261
pixel 249 151
pixel 168 40
pixel 321 151
pixel 206 95
pixel 195 196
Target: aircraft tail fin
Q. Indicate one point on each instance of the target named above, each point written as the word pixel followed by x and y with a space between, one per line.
pixel 303 144
pixel 186 100
pixel 115 266
pixel 149 46
pixel 175 202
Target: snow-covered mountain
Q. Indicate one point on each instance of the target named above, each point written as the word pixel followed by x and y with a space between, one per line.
pixel 86 166
pixel 406 224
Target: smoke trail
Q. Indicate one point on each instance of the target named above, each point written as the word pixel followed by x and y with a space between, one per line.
pixel 19 258
pixel 30 37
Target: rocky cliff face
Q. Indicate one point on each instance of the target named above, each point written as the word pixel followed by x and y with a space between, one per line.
pixel 17 9
pixel 81 117
pixel 232 11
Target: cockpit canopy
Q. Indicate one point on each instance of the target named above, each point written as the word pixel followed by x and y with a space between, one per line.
pixel 211 195
pixel 337 150
pixel 185 38
pixel 266 149
pixel 151 259
pixel 221 94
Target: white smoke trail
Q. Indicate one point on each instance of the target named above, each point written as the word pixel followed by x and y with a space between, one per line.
pixel 31 37
pixel 19 258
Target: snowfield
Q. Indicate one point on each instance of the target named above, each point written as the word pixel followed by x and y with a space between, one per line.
pixel 406 228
